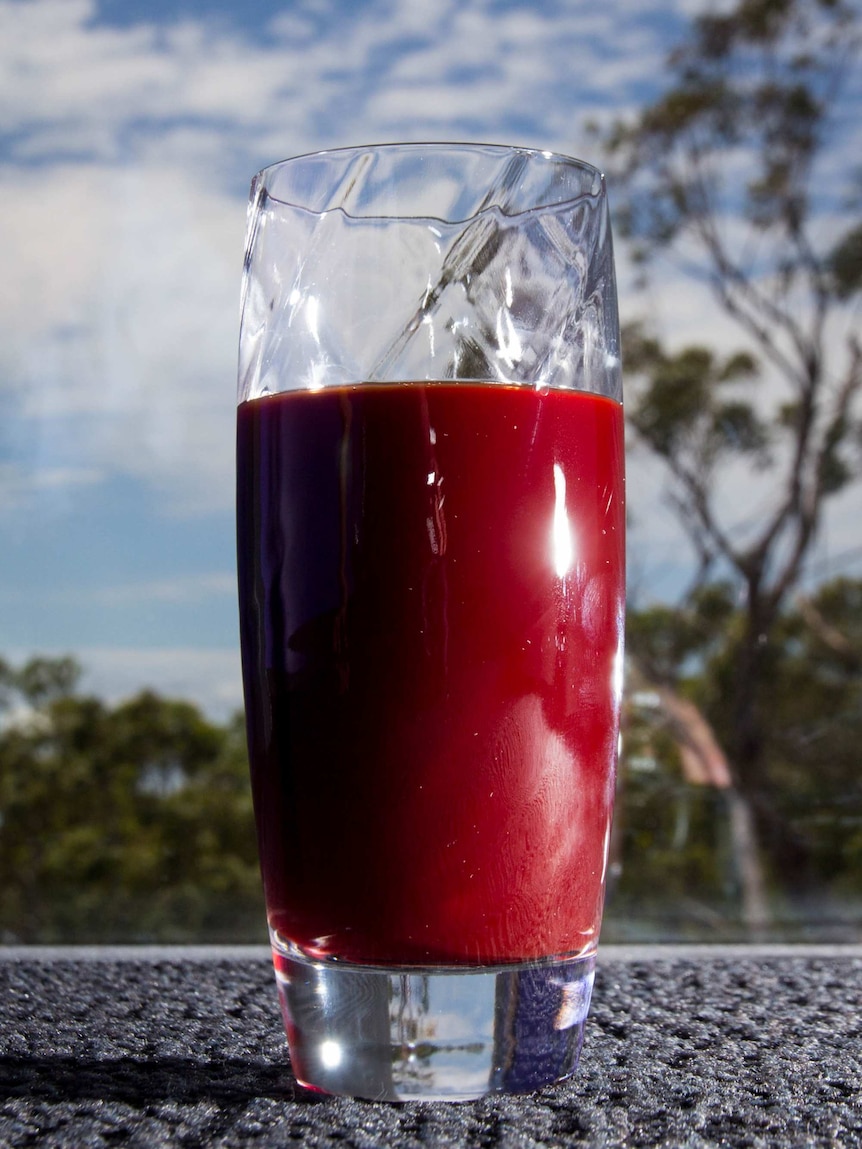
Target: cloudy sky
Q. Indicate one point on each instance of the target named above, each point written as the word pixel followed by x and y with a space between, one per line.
pixel 129 130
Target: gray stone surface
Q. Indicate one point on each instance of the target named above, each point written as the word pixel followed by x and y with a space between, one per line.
pixel 691 1048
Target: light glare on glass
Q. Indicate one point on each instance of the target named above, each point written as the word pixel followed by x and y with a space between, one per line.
pixel 330 1054
pixel 562 544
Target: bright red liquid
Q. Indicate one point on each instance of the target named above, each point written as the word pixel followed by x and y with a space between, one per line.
pixel 431 589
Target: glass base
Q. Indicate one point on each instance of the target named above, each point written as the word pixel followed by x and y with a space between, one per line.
pixel 425 1034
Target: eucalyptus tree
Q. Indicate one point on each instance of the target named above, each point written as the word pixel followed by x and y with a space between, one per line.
pixel 743 174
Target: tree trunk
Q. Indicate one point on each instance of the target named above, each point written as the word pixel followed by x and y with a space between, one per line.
pixel 756 915
pixel 746 813
pixel 759 829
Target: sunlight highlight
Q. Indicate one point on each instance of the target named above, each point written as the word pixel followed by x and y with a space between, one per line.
pixel 562 543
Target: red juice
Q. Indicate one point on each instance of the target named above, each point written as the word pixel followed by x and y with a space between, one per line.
pixel 431 602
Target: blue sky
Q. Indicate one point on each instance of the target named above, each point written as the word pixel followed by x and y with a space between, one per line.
pixel 130 131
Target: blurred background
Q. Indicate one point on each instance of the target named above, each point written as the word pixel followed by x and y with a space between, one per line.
pixel 730 134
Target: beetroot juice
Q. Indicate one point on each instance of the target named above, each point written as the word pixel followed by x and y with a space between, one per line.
pixel 431 589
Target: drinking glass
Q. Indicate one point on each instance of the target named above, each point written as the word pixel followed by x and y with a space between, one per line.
pixel 431 565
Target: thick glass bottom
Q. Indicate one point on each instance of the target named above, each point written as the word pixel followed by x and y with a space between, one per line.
pixel 432 1033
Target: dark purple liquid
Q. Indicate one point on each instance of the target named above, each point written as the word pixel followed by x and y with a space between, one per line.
pixel 431 590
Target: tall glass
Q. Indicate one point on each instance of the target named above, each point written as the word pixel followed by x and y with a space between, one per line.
pixel 431 559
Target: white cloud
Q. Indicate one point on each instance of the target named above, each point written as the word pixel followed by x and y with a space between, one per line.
pixel 69 83
pixel 179 589
pixel 122 245
pixel 124 310
pixel 126 239
pixel 194 588
pixel 19 486
pixel 210 678
pixel 61 72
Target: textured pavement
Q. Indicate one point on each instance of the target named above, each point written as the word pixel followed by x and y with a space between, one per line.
pixel 700 1047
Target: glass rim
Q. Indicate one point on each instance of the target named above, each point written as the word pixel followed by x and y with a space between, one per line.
pixel 452 147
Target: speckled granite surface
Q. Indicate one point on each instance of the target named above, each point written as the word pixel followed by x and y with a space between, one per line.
pixel 174 1048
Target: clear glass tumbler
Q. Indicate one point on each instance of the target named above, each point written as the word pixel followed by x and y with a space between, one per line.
pixel 431 560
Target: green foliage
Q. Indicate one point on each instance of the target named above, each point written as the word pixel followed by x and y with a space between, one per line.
pixel 134 822
pixel 761 79
pixel 677 876
pixel 665 639
pixel 845 263
pixel 42 679
pixel 678 866
pixel 681 411
pixel 725 170
pixel 128 823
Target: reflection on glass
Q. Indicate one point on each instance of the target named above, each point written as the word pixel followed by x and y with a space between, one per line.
pixel 561 532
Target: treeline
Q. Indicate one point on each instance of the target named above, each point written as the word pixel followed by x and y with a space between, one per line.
pixel 700 856
pixel 121 823
pixel 134 822
pixel 721 176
